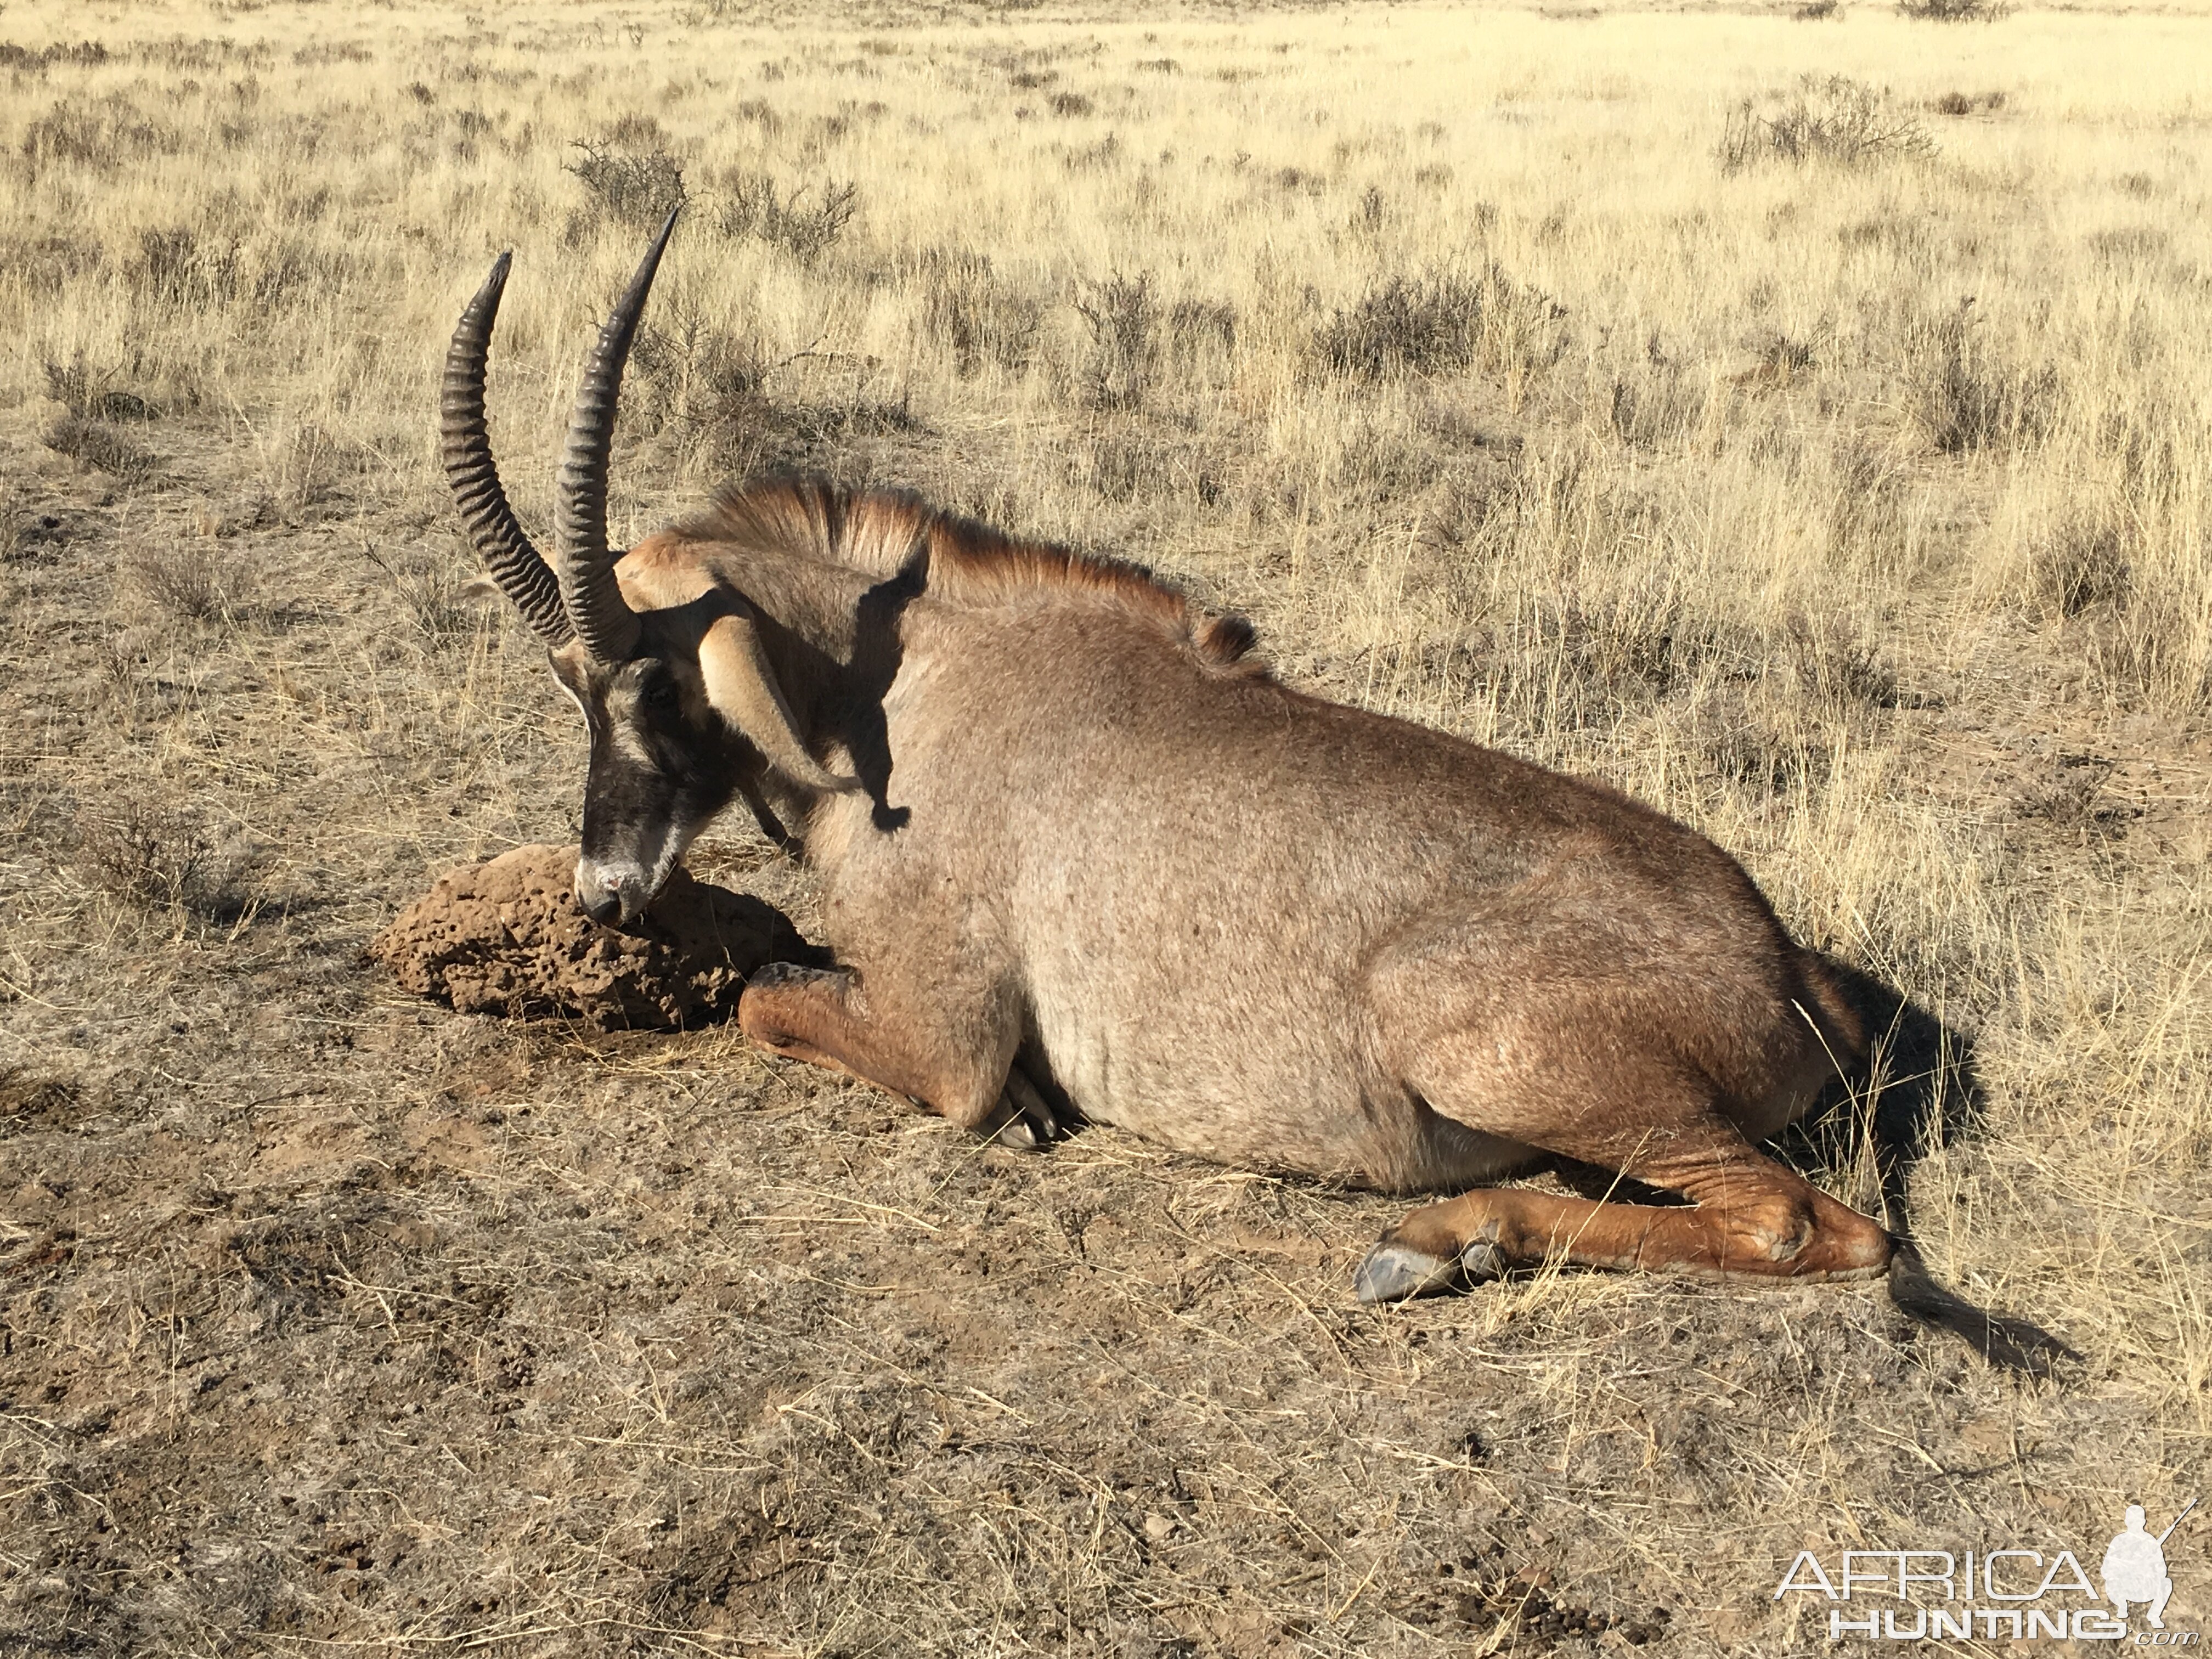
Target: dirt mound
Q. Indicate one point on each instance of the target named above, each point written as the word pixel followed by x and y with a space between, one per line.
pixel 508 937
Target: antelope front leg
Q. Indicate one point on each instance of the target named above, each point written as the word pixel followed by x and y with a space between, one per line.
pixel 958 1062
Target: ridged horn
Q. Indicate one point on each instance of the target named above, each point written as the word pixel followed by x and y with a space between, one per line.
pixel 582 560
pixel 465 445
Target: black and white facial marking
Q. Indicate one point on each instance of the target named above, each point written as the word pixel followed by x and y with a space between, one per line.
pixel 661 768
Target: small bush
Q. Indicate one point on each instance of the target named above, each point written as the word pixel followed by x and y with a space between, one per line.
pixel 100 136
pixel 90 393
pixel 1817 11
pixel 632 187
pixel 1966 103
pixel 192 270
pixel 185 579
pixel 1069 103
pixel 1439 324
pixel 99 445
pixel 1828 119
pixel 755 205
pixel 689 372
pixel 1956 11
pixel 2082 565
pixel 164 860
pixel 1659 406
pixel 1961 396
pixel 29 58
pixel 1200 329
pixel 1124 316
pixel 1839 668
pixel 1407 326
pixel 435 598
pixel 967 307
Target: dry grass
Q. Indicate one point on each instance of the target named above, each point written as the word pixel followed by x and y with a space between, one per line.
pixel 1849 502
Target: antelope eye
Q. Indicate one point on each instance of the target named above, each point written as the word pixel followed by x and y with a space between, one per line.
pixel 661 694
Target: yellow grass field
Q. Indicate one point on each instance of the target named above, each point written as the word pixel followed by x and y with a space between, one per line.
pixel 1804 422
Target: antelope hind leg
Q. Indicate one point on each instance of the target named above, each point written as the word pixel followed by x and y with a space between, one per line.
pixel 822 1016
pixel 1748 1216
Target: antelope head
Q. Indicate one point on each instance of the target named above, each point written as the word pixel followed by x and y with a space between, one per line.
pixel 682 702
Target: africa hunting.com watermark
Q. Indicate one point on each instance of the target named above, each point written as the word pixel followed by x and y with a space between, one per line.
pixel 2027 1592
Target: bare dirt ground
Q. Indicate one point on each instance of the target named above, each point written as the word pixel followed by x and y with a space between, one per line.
pixel 332 1320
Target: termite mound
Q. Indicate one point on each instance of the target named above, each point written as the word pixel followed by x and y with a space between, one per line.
pixel 508 938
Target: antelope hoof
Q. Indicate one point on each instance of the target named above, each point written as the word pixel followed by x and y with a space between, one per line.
pixel 1018 1133
pixel 1021 1120
pixel 1481 1259
pixel 1394 1274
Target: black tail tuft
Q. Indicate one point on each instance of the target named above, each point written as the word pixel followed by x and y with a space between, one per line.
pixel 2015 1344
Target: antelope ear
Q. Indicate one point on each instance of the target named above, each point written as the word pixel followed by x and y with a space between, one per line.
pixel 741 688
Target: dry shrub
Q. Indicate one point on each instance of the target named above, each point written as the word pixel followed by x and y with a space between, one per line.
pixel 1122 463
pixel 167 860
pixel 1123 314
pixel 1966 103
pixel 2082 564
pixel 1834 665
pixel 1069 103
pixel 437 599
pixel 705 390
pixel 1956 11
pixel 192 268
pixel 631 178
pixel 47 264
pixel 1656 406
pixel 2132 244
pixel 754 205
pixel 1439 323
pixel 2069 796
pixel 102 446
pixel 1201 337
pixel 102 136
pixel 32 59
pixel 1570 661
pixel 1866 516
pixel 1752 747
pixel 186 580
pixel 1962 396
pixel 1829 118
pixel 31 1099
pixel 307 468
pixel 90 391
pixel 969 308
pixel 689 372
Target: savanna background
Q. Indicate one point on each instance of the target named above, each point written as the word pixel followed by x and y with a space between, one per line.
pixel 1795 416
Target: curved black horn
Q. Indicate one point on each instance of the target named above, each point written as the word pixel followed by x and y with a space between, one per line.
pixel 581 559
pixel 465 448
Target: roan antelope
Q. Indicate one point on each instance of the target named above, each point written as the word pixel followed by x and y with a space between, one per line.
pixel 1076 846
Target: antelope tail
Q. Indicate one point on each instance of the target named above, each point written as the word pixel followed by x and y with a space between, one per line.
pixel 2014 1345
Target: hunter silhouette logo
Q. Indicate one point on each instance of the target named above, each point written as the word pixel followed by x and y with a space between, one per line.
pixel 2016 1593
pixel 2135 1566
